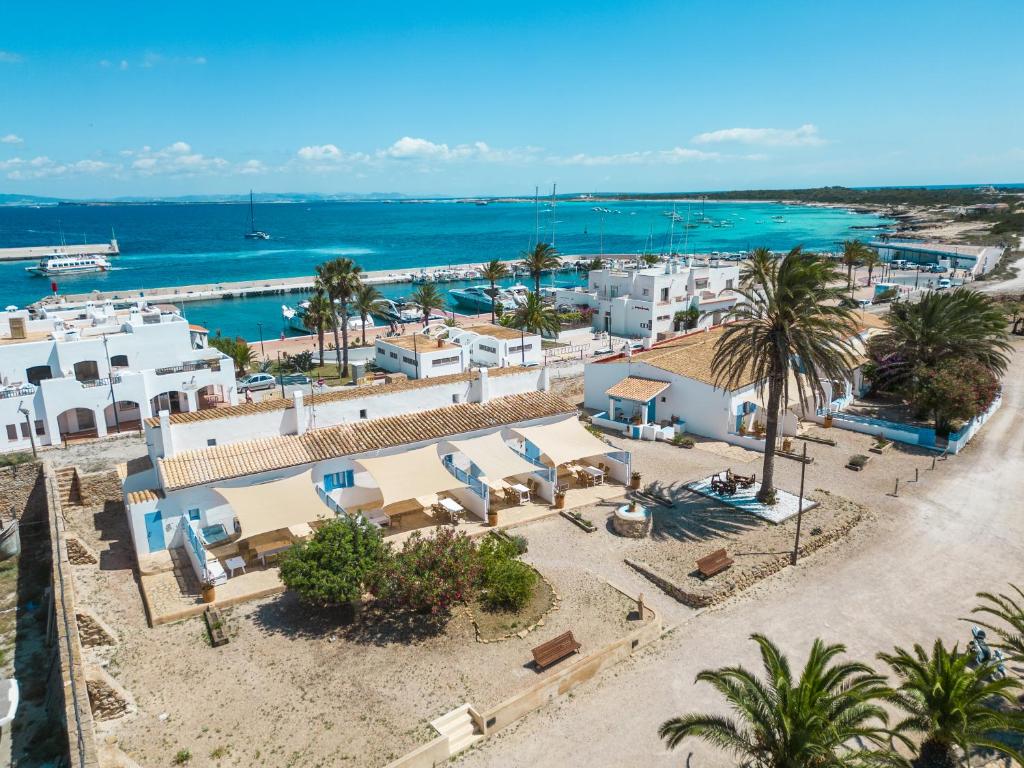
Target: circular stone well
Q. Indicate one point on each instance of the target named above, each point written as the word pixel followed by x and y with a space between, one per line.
pixel 634 523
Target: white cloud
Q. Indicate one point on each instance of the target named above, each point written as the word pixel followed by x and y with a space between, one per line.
pixel 11 138
pixel 9 57
pixel 252 168
pixel 151 59
pixel 176 159
pixel 647 157
pixel 123 65
pixel 804 136
pixel 42 167
pixel 321 153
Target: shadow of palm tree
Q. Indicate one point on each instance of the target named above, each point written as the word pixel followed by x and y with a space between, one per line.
pixel 374 625
pixel 693 517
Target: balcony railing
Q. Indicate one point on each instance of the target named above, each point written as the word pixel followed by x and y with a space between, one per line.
pixel 334 506
pixel 193 365
pixel 28 389
pixel 474 483
pixel 100 382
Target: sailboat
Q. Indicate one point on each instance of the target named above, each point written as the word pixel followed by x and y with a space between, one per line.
pixel 253 233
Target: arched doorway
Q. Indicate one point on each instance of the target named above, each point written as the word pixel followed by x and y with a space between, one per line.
pixel 75 423
pixel 174 401
pixel 124 414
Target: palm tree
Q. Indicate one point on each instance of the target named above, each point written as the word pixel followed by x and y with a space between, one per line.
pixel 950 325
pixel 536 317
pixel 493 271
pixel 542 257
pixel 782 723
pixel 758 264
pixel 853 254
pixel 366 300
pixel 870 259
pixel 339 279
pixel 788 310
pixel 594 264
pixel 1009 610
pixel 426 298
pixel 317 318
pixel 950 705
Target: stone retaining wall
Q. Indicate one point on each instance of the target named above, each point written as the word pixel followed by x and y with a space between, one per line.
pixel 68 693
pixel 99 487
pixel 726 587
pixel 22 491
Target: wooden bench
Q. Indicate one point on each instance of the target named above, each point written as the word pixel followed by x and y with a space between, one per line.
pixel 714 563
pixel 743 481
pixel 546 654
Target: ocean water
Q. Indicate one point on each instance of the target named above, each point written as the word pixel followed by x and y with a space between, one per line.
pixel 175 244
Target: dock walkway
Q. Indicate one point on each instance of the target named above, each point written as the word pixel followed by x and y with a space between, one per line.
pixel 34 252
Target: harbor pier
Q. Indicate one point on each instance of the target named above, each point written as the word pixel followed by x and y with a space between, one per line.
pixel 36 252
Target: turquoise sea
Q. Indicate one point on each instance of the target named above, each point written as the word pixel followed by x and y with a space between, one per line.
pixel 175 244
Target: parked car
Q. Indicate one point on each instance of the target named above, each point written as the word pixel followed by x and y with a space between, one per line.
pixel 944 282
pixel 938 269
pixel 254 382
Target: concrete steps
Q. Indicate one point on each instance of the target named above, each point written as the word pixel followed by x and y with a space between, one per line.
pixel 69 490
pixel 459 727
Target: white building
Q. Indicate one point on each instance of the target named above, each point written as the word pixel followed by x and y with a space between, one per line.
pixel 257 496
pixel 99 370
pixel 671 388
pixel 642 303
pixel 443 350
pixel 976 259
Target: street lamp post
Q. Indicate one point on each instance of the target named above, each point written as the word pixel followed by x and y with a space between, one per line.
pixel 110 381
pixel 800 507
pixel 28 426
pixel 263 350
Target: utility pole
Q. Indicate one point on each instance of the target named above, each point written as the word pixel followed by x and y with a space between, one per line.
pixel 263 351
pixel 522 344
pixel 280 374
pixel 554 199
pixel 110 381
pixel 800 506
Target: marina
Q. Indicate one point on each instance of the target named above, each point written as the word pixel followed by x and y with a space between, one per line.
pixel 34 252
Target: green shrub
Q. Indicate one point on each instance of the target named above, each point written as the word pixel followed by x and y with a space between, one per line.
pixel 182 757
pixel 520 541
pixel 13 459
pixel 508 585
pixel 335 566
pixel 858 460
pixel 430 575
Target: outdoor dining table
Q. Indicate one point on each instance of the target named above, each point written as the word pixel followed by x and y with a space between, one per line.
pixel 595 473
pixel 523 491
pixel 451 505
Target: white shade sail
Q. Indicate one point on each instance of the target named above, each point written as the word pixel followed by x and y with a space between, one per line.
pixel 275 505
pixel 564 441
pixel 493 456
pixel 410 474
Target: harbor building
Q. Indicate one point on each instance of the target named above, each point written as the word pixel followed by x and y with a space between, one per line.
pixel 442 350
pixel 91 372
pixel 975 259
pixel 644 302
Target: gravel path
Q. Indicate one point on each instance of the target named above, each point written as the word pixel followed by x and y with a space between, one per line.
pixel 907 578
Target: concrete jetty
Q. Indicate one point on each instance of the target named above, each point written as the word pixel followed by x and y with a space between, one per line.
pixel 35 252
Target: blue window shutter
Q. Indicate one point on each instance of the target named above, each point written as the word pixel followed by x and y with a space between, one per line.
pixel 329 482
pixel 193 514
pixel 348 478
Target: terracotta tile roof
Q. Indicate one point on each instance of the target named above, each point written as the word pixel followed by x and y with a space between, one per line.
pixel 639 389
pixel 141 497
pixel 218 463
pixel 334 396
pixel 417 342
pixel 197 328
pixel 690 356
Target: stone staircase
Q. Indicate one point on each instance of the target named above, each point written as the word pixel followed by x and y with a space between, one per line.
pixel 460 729
pixel 69 490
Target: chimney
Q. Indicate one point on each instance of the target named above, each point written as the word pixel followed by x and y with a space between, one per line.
pixel 483 384
pixel 440 343
pixel 166 440
pixel 545 379
pixel 299 412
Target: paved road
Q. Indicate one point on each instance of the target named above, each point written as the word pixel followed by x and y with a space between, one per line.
pixel 908 577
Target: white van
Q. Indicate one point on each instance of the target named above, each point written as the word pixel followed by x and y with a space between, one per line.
pixel 943 284
pixel 899 264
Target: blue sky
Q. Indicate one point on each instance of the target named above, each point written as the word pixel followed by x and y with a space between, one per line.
pixel 107 99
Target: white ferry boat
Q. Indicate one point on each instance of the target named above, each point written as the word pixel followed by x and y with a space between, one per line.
pixel 63 264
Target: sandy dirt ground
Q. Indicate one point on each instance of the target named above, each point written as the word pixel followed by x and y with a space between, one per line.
pixel 906 578
pixel 295 689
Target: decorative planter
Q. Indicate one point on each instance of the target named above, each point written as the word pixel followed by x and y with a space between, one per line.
pixel 634 481
pixel 858 467
pixel 578 522
pixel 215 624
pixel 827 422
pixel 209 593
pixel 559 501
pixel 881 448
pixel 492 518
